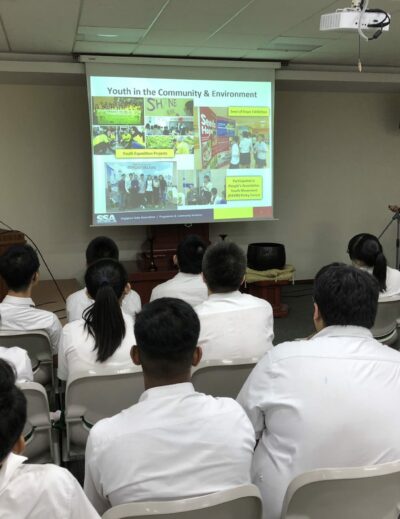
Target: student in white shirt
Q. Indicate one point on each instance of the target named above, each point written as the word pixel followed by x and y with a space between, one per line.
pixel 19 266
pixel 20 360
pixel 175 443
pixel 330 401
pixel 188 284
pixel 366 253
pixel 245 147
pixel 31 491
pixel 235 153
pixel 100 248
pixel 104 337
pixel 233 325
pixel 261 152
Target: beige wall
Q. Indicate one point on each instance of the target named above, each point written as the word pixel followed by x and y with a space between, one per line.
pixel 337 165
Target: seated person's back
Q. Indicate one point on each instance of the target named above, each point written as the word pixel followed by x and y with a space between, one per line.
pixel 31 491
pixel 366 253
pixel 19 359
pixel 101 247
pixel 19 266
pixel 330 401
pixel 188 284
pixel 104 337
pixel 175 443
pixel 233 325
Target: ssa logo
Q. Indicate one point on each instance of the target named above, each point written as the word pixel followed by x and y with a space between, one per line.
pixel 106 218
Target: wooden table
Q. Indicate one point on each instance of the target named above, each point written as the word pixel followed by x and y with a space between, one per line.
pixel 46 296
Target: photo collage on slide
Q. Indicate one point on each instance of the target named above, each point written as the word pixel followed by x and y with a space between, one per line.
pixel 166 153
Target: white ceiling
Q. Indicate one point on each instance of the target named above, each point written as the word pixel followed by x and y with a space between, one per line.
pixel 286 30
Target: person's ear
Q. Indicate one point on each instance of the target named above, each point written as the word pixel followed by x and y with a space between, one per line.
pixel 317 318
pixel 127 289
pixel 175 260
pixel 35 278
pixel 19 445
pixel 135 356
pixel 197 356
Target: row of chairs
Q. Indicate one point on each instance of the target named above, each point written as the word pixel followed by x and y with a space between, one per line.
pixel 371 492
pixel 87 400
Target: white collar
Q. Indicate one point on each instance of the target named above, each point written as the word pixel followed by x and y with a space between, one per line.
pixel 225 295
pixel 344 331
pixel 9 466
pixel 184 388
pixel 18 301
pixel 187 275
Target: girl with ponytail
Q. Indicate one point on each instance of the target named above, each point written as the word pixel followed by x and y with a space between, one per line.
pixel 102 339
pixel 365 251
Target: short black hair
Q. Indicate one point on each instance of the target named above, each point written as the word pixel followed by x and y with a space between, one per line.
pixel 190 254
pixel 12 410
pixel 100 248
pixel 166 332
pixel 18 265
pixel 224 266
pixel 346 296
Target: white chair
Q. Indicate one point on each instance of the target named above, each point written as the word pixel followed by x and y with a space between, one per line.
pixel 242 502
pixel 37 344
pixel 371 492
pixel 91 396
pixel 41 440
pixel 222 377
pixel 385 326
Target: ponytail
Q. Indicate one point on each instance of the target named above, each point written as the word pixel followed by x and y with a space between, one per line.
pixel 105 282
pixel 368 249
pixel 380 270
pixel 12 410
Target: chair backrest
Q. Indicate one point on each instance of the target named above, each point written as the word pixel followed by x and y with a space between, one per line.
pixel 386 319
pixel 242 502
pixel 91 396
pixel 369 492
pixel 38 430
pixel 37 344
pixel 222 377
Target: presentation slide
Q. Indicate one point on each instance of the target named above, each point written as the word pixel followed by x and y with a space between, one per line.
pixel 180 151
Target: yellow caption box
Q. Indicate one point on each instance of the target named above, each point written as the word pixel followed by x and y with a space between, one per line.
pixel 248 111
pixel 144 154
pixel 231 213
pixel 244 188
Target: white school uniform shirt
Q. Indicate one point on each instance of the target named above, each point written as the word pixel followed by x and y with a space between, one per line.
pixel 261 150
pixel 189 287
pixel 245 145
pixel 235 154
pixel 235 325
pixel 174 443
pixel 331 401
pixel 77 353
pixel 392 285
pixel 80 300
pixel 40 491
pixel 19 313
pixel 19 358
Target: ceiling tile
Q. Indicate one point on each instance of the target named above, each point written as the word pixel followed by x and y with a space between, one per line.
pixel 203 16
pixel 109 34
pixel 236 41
pixel 175 38
pixel 40 25
pixel 137 14
pixel 272 54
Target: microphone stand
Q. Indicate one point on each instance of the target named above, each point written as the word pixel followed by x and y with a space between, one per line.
pixel 396 217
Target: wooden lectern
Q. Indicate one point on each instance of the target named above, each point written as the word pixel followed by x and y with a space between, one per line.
pixel 8 238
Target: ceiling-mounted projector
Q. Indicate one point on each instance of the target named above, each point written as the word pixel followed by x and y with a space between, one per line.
pixel 357 18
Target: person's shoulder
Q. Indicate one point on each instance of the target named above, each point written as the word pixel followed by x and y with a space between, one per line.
pixel 250 300
pixel 76 296
pixel 46 318
pixel 220 405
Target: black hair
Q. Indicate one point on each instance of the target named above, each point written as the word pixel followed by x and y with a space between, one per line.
pixel 224 266
pixel 368 249
pixel 346 296
pixel 166 332
pixel 190 254
pixel 105 282
pixel 18 265
pixel 101 247
pixel 12 410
